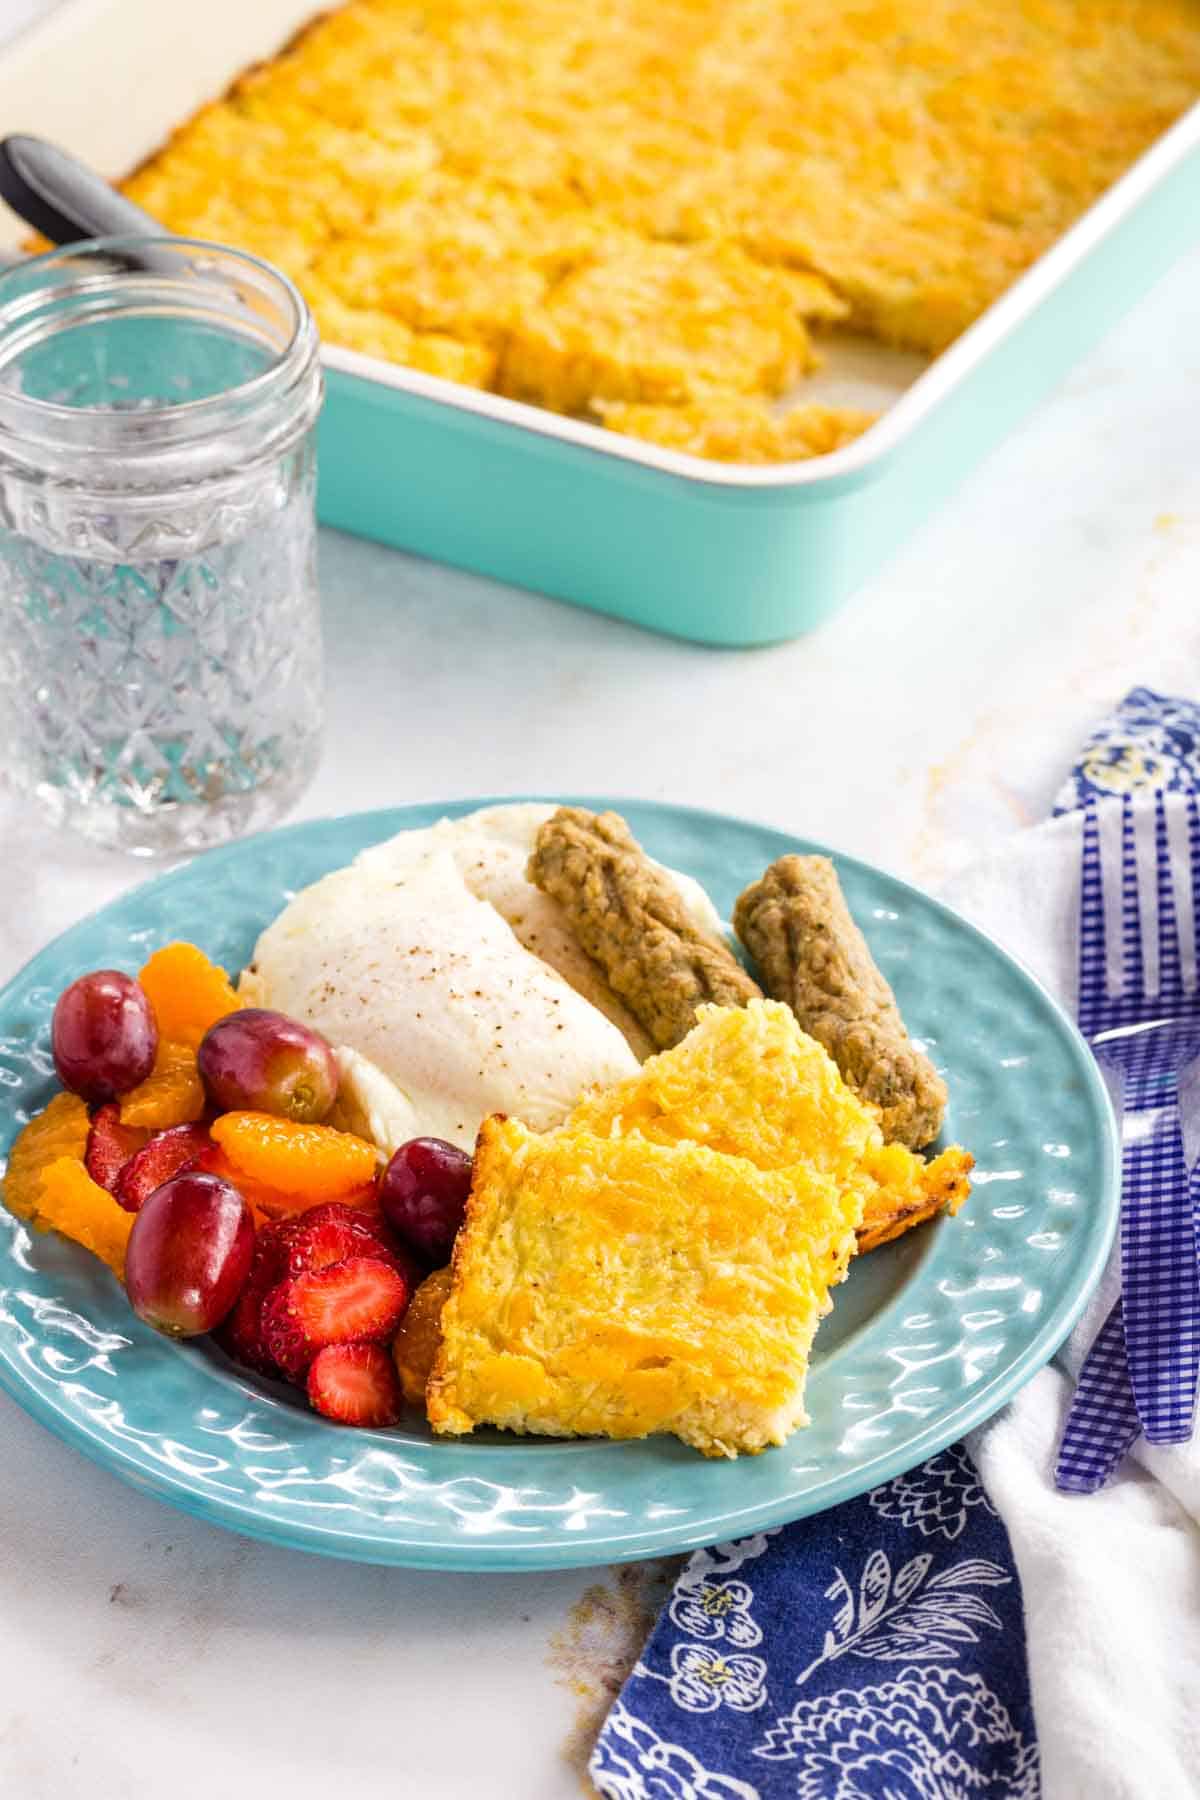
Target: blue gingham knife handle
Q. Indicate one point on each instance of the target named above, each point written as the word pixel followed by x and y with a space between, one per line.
pixel 1160 1277
pixel 1103 1421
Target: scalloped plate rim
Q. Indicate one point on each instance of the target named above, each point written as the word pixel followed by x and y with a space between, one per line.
pixel 369 1542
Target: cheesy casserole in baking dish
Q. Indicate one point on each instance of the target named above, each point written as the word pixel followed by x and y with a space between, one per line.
pixel 649 217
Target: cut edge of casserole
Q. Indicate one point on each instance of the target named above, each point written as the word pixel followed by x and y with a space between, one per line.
pixel 619 1287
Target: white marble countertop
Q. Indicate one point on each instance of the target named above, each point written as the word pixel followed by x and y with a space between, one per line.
pixel 143 1652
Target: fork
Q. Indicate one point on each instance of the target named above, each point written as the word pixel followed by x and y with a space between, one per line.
pixel 1141 1372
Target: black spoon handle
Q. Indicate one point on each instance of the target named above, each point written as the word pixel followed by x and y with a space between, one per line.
pixel 64 199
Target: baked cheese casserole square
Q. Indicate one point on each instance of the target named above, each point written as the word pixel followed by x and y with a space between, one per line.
pixel 747 1081
pixel 659 322
pixel 620 1287
pixel 636 214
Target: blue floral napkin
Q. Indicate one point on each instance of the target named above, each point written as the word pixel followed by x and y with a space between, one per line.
pixel 876 1652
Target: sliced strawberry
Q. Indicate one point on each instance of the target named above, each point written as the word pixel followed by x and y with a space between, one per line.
pixel 333 1231
pixel 355 1384
pixel 167 1153
pixel 357 1300
pixel 110 1145
pixel 283 1342
pixel 273 1246
pixel 240 1333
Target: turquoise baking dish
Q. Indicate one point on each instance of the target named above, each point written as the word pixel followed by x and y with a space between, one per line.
pixel 732 554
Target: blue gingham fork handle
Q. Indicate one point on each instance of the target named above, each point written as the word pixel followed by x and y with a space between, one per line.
pixel 1160 1280
pixel 1103 1421
pixel 1143 1368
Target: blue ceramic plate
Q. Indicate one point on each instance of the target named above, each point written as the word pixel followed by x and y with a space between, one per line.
pixel 929 1336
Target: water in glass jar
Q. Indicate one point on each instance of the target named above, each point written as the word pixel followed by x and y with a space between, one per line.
pixel 169 703
pixel 159 612
pixel 160 648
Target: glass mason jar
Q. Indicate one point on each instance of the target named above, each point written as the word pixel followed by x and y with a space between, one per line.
pixel 160 644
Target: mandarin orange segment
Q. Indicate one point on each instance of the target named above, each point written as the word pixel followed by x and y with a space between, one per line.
pixel 215 1162
pixel 187 991
pixel 71 1202
pixel 172 1093
pixel 59 1130
pixel 272 1203
pixel 305 1162
pixel 263 1202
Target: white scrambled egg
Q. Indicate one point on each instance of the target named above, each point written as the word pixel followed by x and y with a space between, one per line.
pixel 451 987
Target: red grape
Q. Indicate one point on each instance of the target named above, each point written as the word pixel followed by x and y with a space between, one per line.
pixel 104 1036
pixel 189 1254
pixel 423 1194
pixel 265 1062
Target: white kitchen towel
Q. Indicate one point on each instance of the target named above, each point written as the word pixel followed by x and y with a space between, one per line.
pixel 1111 1580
